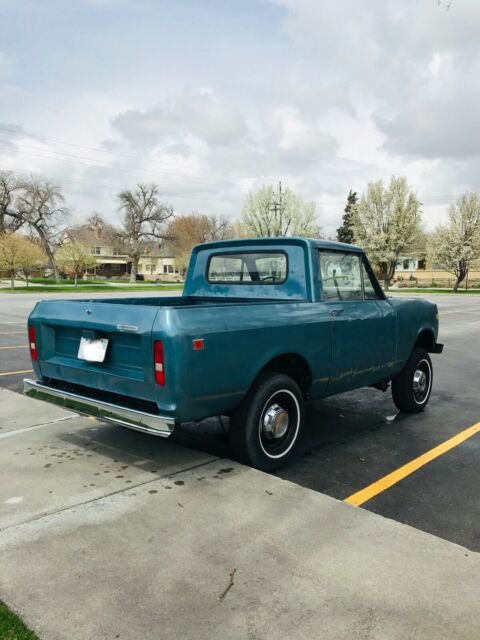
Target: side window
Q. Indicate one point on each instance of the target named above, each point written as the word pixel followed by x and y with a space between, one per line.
pixel 370 293
pixel 341 276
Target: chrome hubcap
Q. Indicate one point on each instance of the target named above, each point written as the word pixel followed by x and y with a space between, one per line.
pixel 419 381
pixel 275 422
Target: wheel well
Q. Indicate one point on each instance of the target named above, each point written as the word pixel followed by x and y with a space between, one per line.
pixel 293 365
pixel 426 340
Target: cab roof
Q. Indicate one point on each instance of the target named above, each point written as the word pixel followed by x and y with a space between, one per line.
pixel 306 242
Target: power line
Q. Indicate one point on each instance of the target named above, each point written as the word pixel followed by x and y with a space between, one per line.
pixel 121 187
pixel 91 162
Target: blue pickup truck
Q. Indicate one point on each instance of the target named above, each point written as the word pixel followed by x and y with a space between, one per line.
pixel 263 326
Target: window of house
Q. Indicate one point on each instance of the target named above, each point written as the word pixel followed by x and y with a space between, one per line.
pixel 341 276
pixel 165 268
pixel 241 268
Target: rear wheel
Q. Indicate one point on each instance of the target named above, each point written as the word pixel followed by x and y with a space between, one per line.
pixel 411 388
pixel 265 428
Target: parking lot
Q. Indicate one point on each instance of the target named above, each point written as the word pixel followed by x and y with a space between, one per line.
pixel 358 438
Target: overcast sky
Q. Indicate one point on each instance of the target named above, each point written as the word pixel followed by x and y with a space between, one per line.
pixel 211 98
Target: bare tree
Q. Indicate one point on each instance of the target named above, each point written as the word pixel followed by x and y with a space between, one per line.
pixel 456 245
pixel 386 222
pixel 10 186
pixel 144 219
pixel 40 207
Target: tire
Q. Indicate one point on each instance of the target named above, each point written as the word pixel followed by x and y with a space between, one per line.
pixel 411 388
pixel 265 427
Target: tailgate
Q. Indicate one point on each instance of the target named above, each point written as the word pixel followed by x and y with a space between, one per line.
pixel 128 365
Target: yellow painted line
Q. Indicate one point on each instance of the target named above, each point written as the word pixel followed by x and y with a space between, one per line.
pixel 389 480
pixel 14 373
pixel 17 346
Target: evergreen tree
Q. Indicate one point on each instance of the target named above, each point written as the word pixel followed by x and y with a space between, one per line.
pixel 345 232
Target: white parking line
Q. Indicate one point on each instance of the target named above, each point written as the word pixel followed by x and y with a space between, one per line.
pixel 17 346
pixel 16 432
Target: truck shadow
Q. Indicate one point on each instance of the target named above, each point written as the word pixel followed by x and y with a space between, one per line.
pixel 333 421
pixel 332 424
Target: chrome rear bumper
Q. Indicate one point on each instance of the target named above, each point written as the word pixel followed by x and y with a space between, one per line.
pixel 123 416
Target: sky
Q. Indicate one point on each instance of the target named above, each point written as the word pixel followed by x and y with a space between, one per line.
pixel 212 98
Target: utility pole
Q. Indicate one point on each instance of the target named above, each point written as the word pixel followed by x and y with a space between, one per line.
pixel 277 208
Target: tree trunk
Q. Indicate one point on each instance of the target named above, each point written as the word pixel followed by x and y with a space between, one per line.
pixel 134 269
pixel 48 251
pixel 12 280
pixel 386 279
pixel 26 279
pixel 460 278
pixel 76 278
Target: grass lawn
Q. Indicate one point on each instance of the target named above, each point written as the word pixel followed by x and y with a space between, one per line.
pixel 81 288
pixel 435 290
pixel 12 628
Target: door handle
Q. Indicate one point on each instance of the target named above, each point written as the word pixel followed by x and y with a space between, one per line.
pixel 336 312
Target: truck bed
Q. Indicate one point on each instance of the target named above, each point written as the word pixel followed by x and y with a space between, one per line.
pixel 184 301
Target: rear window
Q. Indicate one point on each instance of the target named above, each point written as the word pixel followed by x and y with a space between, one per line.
pixel 266 267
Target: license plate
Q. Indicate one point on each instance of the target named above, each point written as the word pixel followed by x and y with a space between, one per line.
pixel 92 350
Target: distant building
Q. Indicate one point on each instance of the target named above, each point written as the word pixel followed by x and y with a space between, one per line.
pixel 417 268
pixel 112 260
pixel 159 263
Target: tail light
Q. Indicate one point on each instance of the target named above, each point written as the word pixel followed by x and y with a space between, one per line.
pixel 158 362
pixel 32 342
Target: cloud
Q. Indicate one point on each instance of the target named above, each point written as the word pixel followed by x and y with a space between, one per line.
pixel 414 63
pixel 198 114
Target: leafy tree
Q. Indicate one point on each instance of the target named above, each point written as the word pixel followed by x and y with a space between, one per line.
pixel 184 232
pixel 144 218
pixel 265 215
pixel 387 222
pixel 456 245
pixel 74 258
pixel 33 258
pixel 18 253
pixel 345 233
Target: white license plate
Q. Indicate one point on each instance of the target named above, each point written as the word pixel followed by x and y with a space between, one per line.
pixel 92 350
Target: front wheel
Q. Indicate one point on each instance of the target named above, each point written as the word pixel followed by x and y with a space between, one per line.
pixel 411 388
pixel 265 428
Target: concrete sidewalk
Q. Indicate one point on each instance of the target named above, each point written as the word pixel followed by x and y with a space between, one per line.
pixel 85 554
